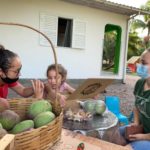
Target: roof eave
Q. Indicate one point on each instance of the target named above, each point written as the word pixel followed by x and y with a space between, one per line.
pixel 110 6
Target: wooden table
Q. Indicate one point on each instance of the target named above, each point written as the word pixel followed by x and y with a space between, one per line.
pixel 70 140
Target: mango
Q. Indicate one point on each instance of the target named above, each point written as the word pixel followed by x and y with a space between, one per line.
pixel 43 119
pixel 100 107
pixel 9 119
pixel 38 107
pixel 23 126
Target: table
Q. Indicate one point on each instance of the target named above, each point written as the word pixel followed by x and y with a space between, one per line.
pixel 70 140
pixel 102 127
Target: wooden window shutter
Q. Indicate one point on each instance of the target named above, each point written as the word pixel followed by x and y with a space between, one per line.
pixel 79 30
pixel 48 25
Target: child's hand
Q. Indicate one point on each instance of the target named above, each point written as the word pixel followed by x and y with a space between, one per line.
pixel 38 88
pixel 48 87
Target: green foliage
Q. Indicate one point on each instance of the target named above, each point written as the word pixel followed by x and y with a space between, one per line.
pixel 109 48
pixel 135 45
pixel 147 8
pixel 137 23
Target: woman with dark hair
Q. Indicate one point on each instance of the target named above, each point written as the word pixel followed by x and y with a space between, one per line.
pixel 10 66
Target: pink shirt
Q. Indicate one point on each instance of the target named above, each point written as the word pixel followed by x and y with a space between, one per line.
pixel 4 89
pixel 63 88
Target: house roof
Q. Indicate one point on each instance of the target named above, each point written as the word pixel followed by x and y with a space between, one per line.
pixel 110 6
pixel 133 59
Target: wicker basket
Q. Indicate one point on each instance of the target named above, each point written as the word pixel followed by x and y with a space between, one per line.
pixel 37 139
pixel 44 137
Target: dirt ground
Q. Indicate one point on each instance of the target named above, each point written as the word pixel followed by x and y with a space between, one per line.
pixel 123 91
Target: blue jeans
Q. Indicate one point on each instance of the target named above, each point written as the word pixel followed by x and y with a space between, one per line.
pixel 136 145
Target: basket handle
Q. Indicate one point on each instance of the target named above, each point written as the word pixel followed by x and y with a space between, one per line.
pixel 46 37
pixel 7 142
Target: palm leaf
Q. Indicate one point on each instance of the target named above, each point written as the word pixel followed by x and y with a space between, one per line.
pixel 136 24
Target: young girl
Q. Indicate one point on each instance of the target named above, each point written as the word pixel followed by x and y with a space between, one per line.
pixel 63 87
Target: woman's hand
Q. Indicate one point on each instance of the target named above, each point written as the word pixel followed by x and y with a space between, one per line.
pixel 134 124
pixel 38 88
pixel 135 137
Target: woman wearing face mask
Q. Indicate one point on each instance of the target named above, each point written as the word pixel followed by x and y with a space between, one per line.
pixel 141 141
pixel 10 66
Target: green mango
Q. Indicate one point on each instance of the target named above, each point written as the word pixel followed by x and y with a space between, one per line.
pixel 43 119
pixel 23 126
pixel 89 106
pixel 100 107
pixel 9 119
pixel 38 107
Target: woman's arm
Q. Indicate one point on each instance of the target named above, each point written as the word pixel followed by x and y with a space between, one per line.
pixel 28 91
pixel 135 137
pixel 23 91
pixel 136 116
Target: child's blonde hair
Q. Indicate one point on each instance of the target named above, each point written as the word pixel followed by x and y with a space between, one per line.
pixel 61 70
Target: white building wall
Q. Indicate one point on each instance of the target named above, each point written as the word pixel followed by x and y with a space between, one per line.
pixel 80 64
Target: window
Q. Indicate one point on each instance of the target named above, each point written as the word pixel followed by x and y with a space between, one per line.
pixel 62 31
pixel 64 37
pixel 111 49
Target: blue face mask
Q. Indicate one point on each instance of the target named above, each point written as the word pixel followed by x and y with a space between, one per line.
pixel 142 71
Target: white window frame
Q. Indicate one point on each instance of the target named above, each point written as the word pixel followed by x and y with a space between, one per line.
pixel 49 26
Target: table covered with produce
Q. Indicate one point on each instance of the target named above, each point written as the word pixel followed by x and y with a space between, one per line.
pixel 92 119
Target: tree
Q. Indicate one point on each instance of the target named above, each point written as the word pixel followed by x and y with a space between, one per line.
pixel 137 23
pixel 135 45
pixel 109 49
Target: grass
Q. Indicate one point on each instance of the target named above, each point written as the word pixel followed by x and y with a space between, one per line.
pixel 132 74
